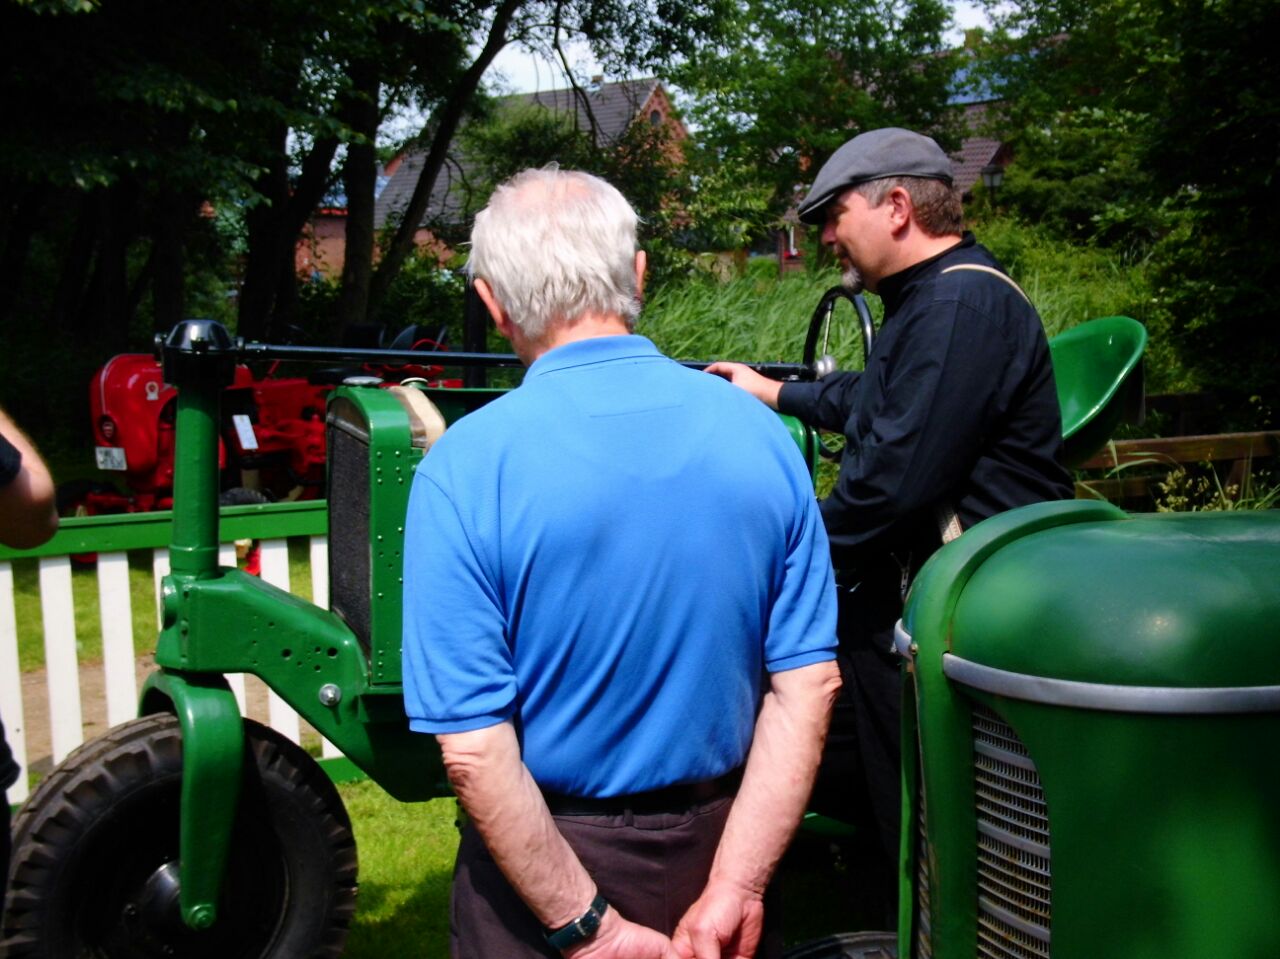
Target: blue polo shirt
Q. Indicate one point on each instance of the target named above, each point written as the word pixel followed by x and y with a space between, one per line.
pixel 612 555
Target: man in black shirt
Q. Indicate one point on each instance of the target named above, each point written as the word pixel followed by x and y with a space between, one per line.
pixel 28 517
pixel 954 419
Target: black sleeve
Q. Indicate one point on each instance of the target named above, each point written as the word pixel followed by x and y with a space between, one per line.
pixel 825 404
pixel 10 461
pixel 942 385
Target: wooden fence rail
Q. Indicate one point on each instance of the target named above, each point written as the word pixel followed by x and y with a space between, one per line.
pixel 112 538
pixel 1239 450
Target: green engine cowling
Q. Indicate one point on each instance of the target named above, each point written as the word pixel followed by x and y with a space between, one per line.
pixel 1095 699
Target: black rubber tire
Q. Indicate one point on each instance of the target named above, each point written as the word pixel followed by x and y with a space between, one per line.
pixel 251 561
pixel 106 820
pixel 242 496
pixel 848 945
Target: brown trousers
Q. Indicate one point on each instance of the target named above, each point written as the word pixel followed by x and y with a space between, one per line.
pixel 649 867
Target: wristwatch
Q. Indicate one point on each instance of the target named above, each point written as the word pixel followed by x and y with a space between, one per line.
pixel 580 929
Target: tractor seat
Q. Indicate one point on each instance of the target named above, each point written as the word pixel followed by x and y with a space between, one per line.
pixel 1098 370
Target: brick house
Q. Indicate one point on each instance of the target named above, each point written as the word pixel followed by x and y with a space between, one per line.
pixel 610 109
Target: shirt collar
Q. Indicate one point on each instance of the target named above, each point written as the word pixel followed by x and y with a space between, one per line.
pixel 893 288
pixel 595 349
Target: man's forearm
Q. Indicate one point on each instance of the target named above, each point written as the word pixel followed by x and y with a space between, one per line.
pixel 507 808
pixel 781 767
pixel 28 508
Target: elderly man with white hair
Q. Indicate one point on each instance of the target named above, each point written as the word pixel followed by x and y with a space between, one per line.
pixel 619 615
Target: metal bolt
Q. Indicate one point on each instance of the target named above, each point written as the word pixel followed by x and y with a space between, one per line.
pixel 201 917
pixel 330 694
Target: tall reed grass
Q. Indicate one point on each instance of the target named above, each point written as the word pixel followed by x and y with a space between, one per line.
pixel 757 317
pixel 761 316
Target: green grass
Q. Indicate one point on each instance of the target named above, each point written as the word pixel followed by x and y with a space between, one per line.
pixel 406 855
pixel 88 619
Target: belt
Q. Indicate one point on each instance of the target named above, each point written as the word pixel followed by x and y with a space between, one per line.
pixel 668 799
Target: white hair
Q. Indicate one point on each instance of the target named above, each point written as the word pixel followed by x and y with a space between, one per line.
pixel 555 245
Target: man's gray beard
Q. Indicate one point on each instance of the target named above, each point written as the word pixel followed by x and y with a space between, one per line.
pixel 851 280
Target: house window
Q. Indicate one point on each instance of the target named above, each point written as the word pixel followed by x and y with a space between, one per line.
pixel 655 118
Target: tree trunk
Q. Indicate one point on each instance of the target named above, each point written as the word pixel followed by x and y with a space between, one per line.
pixel 307 193
pixel 264 223
pixel 359 176
pixel 269 292
pixel 24 219
pixel 168 260
pixel 450 117
pixel 100 316
pixel 77 261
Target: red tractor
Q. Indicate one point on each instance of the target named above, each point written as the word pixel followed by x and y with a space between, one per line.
pixel 272 435
pixel 272 444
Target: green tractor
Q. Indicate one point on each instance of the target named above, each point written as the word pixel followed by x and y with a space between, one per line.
pixel 193 832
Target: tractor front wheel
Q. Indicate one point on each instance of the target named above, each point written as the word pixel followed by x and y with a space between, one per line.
pixel 95 856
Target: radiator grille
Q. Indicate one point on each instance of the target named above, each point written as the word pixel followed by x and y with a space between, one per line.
pixel 1014 888
pixel 924 938
pixel 349 559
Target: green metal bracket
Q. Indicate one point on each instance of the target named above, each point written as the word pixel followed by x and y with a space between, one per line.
pixel 311 659
pixel 212 767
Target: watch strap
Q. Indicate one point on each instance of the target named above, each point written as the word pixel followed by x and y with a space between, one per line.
pixel 580 929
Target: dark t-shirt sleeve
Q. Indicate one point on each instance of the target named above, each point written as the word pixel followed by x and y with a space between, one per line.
pixel 10 461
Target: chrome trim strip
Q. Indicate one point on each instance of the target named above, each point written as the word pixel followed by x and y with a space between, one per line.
pixel 348 427
pixel 1122 699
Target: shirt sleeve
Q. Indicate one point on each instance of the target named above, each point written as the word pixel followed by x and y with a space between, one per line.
pixel 941 390
pixel 802 623
pixel 10 461
pixel 458 671
pixel 825 403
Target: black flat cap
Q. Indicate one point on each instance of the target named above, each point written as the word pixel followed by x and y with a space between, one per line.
pixel 874 155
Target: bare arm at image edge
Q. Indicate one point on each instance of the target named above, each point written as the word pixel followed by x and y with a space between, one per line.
pixel 28 510
pixel 727 920
pixel 495 788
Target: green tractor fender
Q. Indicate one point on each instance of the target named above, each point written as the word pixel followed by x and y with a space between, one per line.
pixel 212 761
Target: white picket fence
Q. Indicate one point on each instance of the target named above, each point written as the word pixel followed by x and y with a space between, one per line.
pixel 63 694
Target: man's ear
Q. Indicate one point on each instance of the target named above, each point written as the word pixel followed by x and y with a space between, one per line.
pixel 642 270
pixel 901 209
pixel 496 310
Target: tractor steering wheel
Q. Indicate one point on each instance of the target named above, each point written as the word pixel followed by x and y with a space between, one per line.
pixel 820 324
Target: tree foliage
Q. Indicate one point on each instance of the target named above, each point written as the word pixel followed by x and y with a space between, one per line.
pixel 1154 125
pixel 792 81
pixel 136 132
pixel 689 199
